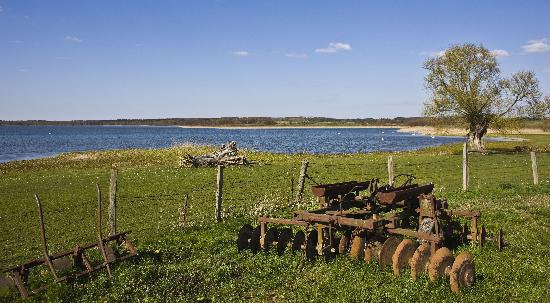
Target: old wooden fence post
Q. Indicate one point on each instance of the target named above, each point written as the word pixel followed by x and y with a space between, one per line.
pixel 534 168
pixel 183 213
pixel 112 201
pixel 390 170
pixel 301 182
pixel 465 171
pixel 219 194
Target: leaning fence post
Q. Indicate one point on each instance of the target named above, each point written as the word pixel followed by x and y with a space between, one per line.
pixel 301 181
pixel 534 168
pixel 112 201
pixel 390 170
pixel 183 213
pixel 465 167
pixel 219 194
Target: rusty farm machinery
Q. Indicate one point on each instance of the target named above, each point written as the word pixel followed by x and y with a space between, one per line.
pixel 78 262
pixel 393 226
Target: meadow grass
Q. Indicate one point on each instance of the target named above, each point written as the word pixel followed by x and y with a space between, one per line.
pixel 200 262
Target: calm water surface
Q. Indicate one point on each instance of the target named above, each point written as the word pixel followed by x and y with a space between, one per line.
pixel 29 142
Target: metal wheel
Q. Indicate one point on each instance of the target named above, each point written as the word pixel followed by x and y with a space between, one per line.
pixel 402 255
pixel 284 238
pixel 440 263
pixel 255 239
pixel 311 245
pixel 272 235
pixel 299 240
pixel 357 249
pixel 462 272
pixel 419 260
pixel 387 251
pixel 244 237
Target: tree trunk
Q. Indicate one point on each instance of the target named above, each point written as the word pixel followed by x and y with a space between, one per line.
pixel 477 132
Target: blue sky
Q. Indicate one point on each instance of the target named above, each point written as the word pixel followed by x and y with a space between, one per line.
pixel 64 60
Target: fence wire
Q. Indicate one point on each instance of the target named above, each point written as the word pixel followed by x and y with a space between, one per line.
pixel 151 201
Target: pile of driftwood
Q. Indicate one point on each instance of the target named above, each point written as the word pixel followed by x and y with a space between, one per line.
pixel 227 155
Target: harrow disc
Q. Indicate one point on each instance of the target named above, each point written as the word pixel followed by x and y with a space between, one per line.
pixel 244 237
pixel 255 239
pixel 387 251
pixel 402 255
pixel 272 235
pixel 311 245
pixel 440 262
pixel 329 253
pixel 299 240
pixel 6 284
pixel 64 264
pixel 343 245
pixel 284 238
pixel 419 260
pixel 463 272
pixel 357 249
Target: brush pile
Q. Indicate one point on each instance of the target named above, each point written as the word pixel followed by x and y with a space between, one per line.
pixel 226 155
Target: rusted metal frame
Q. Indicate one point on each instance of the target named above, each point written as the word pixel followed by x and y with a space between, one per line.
pixel 39 261
pixel 282 221
pixel 100 243
pixel 338 220
pixel 410 192
pixel 414 234
pixel 43 238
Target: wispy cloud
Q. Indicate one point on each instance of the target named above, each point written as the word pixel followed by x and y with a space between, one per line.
pixel 241 53
pixel 73 39
pixel 546 70
pixel 334 47
pixel 537 46
pixel 498 53
pixel 23 70
pixel 296 55
pixel 1 9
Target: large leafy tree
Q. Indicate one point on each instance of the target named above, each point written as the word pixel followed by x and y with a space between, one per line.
pixel 465 83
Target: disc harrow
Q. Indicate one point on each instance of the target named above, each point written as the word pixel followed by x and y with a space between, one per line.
pixel 404 229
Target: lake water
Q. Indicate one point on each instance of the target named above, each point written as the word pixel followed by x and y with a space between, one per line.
pixel 29 142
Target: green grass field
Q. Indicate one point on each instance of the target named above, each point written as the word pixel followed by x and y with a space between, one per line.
pixel 200 262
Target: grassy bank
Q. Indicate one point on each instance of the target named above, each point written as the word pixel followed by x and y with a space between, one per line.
pixel 200 262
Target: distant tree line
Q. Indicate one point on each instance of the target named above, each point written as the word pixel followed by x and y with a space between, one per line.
pixel 273 121
pixel 232 121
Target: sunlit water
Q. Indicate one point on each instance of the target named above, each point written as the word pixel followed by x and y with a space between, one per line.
pixel 29 142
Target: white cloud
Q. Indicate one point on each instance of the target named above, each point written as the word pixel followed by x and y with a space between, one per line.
pixel 296 56
pixel 546 70
pixel 73 39
pixel 498 53
pixel 433 54
pixel 241 53
pixel 537 46
pixel 334 47
pixel 23 70
pixel 1 9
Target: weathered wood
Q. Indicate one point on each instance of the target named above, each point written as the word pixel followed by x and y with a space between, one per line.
pixel 100 243
pixel 219 194
pixel 112 201
pixel 227 155
pixel 534 168
pixel 43 238
pixel 390 170
pixel 301 182
pixel 465 177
